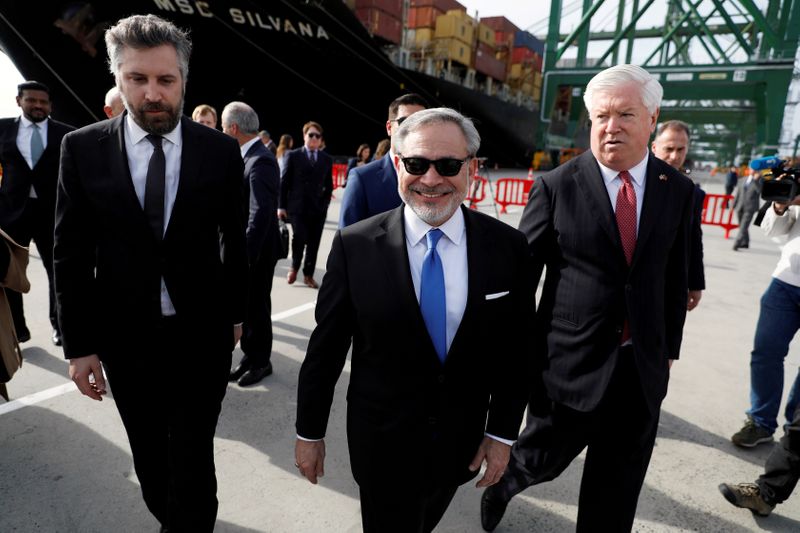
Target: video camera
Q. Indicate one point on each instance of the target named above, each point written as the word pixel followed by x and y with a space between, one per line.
pixel 781 183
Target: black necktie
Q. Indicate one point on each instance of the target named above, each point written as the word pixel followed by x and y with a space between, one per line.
pixel 154 187
pixel 312 156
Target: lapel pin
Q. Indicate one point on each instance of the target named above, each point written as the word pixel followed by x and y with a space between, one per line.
pixel 662 177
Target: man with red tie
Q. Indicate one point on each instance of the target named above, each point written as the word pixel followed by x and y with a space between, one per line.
pixel 612 229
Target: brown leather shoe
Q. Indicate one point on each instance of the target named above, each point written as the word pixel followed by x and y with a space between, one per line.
pixel 291 277
pixel 309 280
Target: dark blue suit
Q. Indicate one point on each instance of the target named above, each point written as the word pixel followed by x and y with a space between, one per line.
pixel 262 185
pixel 371 189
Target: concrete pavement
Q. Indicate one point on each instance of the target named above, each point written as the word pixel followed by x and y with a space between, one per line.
pixel 65 464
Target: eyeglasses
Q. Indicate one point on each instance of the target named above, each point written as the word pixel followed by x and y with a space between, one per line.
pixel 314 135
pixel 399 120
pixel 446 167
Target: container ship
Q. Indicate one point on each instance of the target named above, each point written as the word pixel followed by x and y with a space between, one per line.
pixel 336 62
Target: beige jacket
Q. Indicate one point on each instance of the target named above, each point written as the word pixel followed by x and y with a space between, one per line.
pixel 15 279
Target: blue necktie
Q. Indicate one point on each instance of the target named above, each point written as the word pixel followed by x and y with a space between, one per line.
pixel 36 145
pixel 431 295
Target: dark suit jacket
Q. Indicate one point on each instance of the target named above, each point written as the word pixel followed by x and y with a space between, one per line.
pixel 405 409
pixel 306 188
pixel 108 264
pixel 18 176
pixel 747 200
pixel 261 184
pixel 371 189
pixel 697 276
pixel 589 289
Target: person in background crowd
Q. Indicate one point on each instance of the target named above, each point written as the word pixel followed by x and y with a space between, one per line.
pixel 746 203
pixel 267 141
pixel 362 157
pixel 205 115
pixel 306 188
pixel 29 148
pixel 151 270
pixel 382 148
pixel 285 144
pixel 731 178
pixel 13 264
pixel 113 103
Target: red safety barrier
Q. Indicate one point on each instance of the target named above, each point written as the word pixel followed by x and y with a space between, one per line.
pixel 512 191
pixel 718 211
pixel 339 175
pixel 477 191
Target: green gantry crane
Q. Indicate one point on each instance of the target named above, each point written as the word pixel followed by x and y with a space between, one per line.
pixel 725 66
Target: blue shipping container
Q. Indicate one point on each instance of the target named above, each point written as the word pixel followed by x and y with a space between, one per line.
pixel 529 41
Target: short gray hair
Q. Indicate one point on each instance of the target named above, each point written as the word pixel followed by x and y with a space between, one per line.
pixel 677 125
pixel 147 31
pixel 438 115
pixel 112 94
pixel 649 88
pixel 242 115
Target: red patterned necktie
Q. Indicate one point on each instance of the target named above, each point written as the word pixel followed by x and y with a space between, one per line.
pixel 626 223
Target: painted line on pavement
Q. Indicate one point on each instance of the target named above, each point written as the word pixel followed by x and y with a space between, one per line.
pixel 52 392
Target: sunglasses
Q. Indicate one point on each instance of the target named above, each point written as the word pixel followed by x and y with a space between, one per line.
pixel 314 135
pixel 446 167
pixel 399 120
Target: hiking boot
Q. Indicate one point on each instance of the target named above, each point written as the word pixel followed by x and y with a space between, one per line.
pixel 751 435
pixel 746 496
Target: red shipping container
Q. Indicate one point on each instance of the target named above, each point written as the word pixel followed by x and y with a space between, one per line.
pixel 501 24
pixel 381 24
pixel 423 17
pixel 489 65
pixel 523 55
pixel 504 38
pixel 537 62
pixel 484 48
pixel 441 5
pixel 392 7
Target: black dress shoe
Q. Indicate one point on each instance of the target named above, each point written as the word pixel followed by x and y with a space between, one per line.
pixel 254 375
pixel 492 509
pixel 239 371
pixel 24 335
pixel 57 338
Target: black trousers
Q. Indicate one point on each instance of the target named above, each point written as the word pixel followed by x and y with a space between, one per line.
pixel 37 225
pixel 307 232
pixel 257 331
pixel 400 508
pixel 745 219
pixel 169 400
pixel 782 469
pixel 619 433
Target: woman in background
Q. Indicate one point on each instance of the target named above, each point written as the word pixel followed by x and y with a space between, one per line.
pixel 286 143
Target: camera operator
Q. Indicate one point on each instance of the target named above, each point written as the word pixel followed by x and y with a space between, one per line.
pixel 778 321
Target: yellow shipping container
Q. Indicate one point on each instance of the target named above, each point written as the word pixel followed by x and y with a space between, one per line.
pixel 537 79
pixel 486 35
pixel 453 49
pixel 459 13
pixel 516 71
pixel 537 93
pixel 423 36
pixel 452 26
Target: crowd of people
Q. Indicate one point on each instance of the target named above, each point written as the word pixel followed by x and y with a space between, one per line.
pixel 133 214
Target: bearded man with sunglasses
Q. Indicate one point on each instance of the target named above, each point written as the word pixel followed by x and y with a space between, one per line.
pixel 416 289
pixel 306 188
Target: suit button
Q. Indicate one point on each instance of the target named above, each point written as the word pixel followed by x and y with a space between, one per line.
pixel 432 420
pixel 440 379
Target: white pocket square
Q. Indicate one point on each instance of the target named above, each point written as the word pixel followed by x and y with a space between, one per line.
pixel 496 295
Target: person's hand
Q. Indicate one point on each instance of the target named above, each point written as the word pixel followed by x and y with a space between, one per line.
pixel 87 373
pixel 237 334
pixel 496 455
pixel 670 361
pixel 694 299
pixel 309 458
pixel 282 214
pixel 780 207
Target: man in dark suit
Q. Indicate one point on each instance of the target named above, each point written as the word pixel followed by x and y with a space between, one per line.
pixel 306 188
pixel 612 228
pixel 417 289
pixel 151 268
pixel 267 141
pixel 29 149
pixel 261 184
pixel 745 203
pixel 671 145
pixel 372 188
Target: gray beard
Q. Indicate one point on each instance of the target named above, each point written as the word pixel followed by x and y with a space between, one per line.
pixel 160 126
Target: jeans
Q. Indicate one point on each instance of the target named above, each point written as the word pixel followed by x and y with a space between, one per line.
pixel 778 321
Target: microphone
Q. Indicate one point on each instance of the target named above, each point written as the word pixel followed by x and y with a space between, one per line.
pixel 765 163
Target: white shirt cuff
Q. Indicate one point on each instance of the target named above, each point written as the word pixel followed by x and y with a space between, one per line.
pixel 308 440
pixel 498 439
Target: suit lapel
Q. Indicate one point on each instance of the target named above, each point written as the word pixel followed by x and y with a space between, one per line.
pixel 479 247
pixel 113 145
pixel 655 190
pixel 590 183
pixel 191 159
pixel 389 174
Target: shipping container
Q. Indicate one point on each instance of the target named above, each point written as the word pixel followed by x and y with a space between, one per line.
pixel 453 49
pixel 503 38
pixel 441 5
pixel 452 26
pixel 381 24
pixel 486 35
pixel 423 36
pixel 537 62
pixel 423 17
pixel 392 7
pixel 486 63
pixel 537 94
pixel 521 54
pixel 500 24
pixel 529 41
pixel 537 79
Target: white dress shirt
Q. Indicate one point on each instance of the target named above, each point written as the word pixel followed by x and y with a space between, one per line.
pixel 246 146
pixel 24 134
pixel 614 182
pixel 139 151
